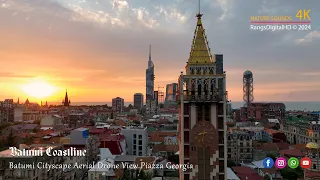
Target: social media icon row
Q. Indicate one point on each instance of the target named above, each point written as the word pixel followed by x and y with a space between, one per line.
pixel 293 163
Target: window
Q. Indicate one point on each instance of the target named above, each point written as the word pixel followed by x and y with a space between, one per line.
pixel 140 142
pixel 140 148
pixel 134 136
pixel 140 136
pixel 134 152
pixel 134 146
pixel 134 141
pixel 140 153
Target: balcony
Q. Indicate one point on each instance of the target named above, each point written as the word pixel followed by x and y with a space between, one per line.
pixel 202 98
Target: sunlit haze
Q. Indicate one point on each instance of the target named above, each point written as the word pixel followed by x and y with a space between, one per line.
pixel 98 49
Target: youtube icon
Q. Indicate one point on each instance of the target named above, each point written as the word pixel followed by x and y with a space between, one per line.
pixel 305 163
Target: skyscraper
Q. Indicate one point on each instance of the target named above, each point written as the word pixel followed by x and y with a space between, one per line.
pixel 149 84
pixel 138 100
pixel 202 99
pixel 171 91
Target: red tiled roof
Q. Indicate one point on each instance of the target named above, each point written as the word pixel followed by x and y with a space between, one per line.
pixel 312 174
pixel 283 145
pixel 291 153
pixel 301 147
pixel 268 147
pixel 44 133
pixel 243 170
pixel 95 130
pixel 250 177
pixel 168 148
pixel 271 131
pixel 270 170
pixel 159 136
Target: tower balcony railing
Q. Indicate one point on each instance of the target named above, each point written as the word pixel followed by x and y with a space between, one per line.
pixel 202 97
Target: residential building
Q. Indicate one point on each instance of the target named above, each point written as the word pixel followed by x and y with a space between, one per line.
pixel 259 111
pixel 239 146
pixel 30 172
pixel 202 102
pixel 137 140
pixel 171 91
pixel 7 110
pixel 117 104
pixel 79 136
pixel 138 100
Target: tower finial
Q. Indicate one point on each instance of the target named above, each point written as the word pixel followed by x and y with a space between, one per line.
pixel 199 7
pixel 199 13
pixel 150 52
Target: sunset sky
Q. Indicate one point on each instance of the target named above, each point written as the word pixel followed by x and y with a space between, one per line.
pixel 98 49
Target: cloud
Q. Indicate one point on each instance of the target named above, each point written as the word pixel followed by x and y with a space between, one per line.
pixel 309 38
pixel 11 75
pixel 111 39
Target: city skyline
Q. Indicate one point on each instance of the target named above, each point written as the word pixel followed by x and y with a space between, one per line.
pixel 99 50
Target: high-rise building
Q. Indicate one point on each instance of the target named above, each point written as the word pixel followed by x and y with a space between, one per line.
pixel 138 100
pixel 149 84
pixel 117 104
pixel 171 91
pixel 202 101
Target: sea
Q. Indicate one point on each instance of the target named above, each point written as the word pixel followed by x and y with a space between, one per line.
pixel 302 106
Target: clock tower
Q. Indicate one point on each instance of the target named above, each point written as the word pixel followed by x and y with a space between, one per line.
pixel 202 99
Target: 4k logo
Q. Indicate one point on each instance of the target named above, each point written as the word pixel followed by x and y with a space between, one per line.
pixel 303 14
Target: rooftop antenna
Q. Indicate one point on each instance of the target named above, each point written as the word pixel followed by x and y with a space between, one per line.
pixel 199 7
pixel 199 15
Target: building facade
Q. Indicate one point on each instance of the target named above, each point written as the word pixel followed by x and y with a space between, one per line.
pixel 30 172
pixel 171 90
pixel 263 111
pixel 117 104
pixel 138 100
pixel 240 146
pixel 202 102
pixel 7 110
pixel 137 140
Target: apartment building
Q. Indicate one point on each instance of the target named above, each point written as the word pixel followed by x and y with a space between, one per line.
pixel 137 140
pixel 30 172
pixel 239 146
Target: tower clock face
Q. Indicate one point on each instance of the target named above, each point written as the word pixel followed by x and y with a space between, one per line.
pixel 204 134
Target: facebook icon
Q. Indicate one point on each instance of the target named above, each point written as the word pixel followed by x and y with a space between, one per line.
pixel 268 162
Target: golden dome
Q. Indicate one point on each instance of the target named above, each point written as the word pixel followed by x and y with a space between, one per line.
pixel 312 145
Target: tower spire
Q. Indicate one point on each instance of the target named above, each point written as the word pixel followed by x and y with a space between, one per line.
pixel 199 7
pixel 150 52
pixel 199 15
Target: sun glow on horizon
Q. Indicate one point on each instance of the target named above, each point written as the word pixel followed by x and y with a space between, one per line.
pixel 39 88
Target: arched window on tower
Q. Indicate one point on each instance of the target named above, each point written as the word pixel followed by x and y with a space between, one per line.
pixel 199 71
pixel 199 89
pixel 206 90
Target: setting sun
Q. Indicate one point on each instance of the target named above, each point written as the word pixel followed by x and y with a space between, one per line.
pixel 39 89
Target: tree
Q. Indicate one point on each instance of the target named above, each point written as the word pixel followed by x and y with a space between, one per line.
pixel 231 163
pixel 92 148
pixel 266 177
pixel 10 140
pixel 142 174
pixel 292 174
pixel 174 159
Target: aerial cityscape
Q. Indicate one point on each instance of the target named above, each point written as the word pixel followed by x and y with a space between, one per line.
pixel 181 90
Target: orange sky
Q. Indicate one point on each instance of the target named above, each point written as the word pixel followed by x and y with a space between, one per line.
pixel 98 58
